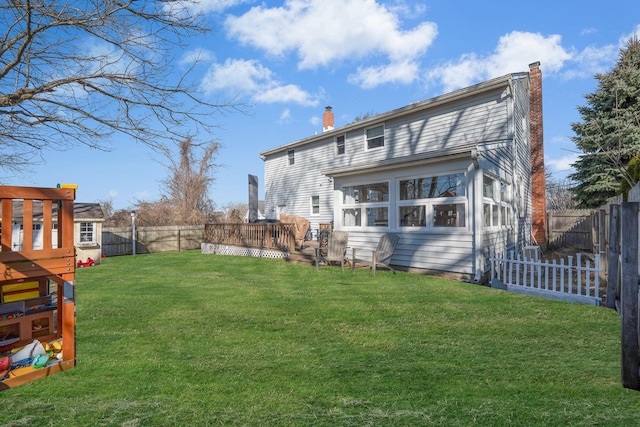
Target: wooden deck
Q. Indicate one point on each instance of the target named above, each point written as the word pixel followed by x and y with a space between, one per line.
pixel 306 254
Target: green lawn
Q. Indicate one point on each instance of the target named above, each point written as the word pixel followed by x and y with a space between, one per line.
pixel 186 339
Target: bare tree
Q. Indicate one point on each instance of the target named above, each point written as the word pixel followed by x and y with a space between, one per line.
pixel 76 72
pixel 235 212
pixel 559 193
pixel 107 208
pixel 187 188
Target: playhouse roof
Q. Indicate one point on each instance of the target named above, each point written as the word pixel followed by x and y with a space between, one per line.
pixel 81 211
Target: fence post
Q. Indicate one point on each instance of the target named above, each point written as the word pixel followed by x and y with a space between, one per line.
pixel 629 296
pixel 614 256
pixel 594 231
pixel 602 249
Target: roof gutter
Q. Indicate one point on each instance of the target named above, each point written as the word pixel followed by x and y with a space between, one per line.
pixel 466 152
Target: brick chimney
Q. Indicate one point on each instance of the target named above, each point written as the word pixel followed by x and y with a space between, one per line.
pixel 538 190
pixel 327 119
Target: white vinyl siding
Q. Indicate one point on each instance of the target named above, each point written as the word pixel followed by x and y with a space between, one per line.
pixel 483 120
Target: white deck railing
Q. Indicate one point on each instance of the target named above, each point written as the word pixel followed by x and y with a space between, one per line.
pixel 575 282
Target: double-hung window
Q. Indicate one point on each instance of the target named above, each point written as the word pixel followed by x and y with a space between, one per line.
pixel 291 157
pixel 87 232
pixel 366 205
pixel 340 145
pixel 432 201
pixel 375 137
pixel 315 205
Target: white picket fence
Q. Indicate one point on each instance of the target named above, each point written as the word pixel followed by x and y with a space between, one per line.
pixel 575 282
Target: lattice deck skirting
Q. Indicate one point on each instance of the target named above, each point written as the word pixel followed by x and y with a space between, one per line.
pixel 213 248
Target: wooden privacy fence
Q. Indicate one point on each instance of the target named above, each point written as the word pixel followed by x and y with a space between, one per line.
pixel 279 236
pixel 118 240
pixel 570 228
pixel 618 235
pixel 575 282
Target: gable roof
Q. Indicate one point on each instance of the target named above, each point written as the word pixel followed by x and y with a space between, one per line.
pixel 81 211
pixel 470 91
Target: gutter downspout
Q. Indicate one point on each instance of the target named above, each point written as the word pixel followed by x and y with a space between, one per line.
pixel 477 213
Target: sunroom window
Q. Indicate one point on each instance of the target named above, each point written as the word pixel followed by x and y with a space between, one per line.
pixel 440 197
pixel 413 216
pixel 370 200
pixel 496 205
pixel 449 215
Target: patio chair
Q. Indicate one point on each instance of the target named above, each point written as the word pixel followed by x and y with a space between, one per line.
pixel 336 249
pixel 380 257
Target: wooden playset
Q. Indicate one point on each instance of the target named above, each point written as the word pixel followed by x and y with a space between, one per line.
pixel 37 267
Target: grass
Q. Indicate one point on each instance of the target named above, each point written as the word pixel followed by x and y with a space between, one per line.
pixel 183 338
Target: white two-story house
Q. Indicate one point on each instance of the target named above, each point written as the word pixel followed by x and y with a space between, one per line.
pixel 452 176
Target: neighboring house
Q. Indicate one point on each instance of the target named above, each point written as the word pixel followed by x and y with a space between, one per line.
pixel 451 175
pixel 87 218
pixel 260 212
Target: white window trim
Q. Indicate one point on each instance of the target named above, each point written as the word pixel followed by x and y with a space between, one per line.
pixel 93 233
pixel 498 203
pixel 363 206
pixel 429 204
pixel 311 205
pixel 384 139
pixel 344 144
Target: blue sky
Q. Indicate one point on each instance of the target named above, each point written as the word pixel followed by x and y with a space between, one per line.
pixel 288 60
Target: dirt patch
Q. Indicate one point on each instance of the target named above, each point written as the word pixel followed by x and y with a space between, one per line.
pixel 558 253
pixel 565 252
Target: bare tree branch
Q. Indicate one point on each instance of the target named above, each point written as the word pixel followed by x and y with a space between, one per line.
pixel 76 72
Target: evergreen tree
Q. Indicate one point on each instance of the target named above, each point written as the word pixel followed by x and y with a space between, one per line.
pixel 609 133
pixel 633 170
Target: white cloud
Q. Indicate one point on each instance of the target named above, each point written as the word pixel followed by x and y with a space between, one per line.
pixel 315 121
pixel 624 39
pixel 592 60
pixel 285 116
pixel 513 53
pixel 197 56
pixel 561 164
pixel 323 32
pixel 237 76
pixel 201 6
pixel 284 93
pixel 370 77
